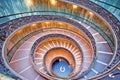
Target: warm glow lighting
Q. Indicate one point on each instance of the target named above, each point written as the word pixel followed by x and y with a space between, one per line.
pixel 60 23
pixel 118 68
pixel 53 2
pixel 20 31
pixel 47 22
pixel 75 6
pixel 33 24
pixel 29 3
pixel 91 13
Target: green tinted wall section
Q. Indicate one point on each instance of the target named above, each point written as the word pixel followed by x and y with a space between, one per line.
pixel 112 6
pixel 4 77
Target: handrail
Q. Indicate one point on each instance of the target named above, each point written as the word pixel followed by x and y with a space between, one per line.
pixel 115 26
pixel 112 21
pixel 76 25
pixel 71 13
pixel 94 26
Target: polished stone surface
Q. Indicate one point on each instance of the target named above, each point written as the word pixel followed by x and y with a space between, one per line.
pixel 62 68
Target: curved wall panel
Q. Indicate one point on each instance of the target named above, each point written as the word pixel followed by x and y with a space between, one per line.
pixel 57 39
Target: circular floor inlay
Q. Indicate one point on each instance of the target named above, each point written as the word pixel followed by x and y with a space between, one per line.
pixel 61 68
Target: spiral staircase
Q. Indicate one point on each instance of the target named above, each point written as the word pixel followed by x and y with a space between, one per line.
pixel 58 40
